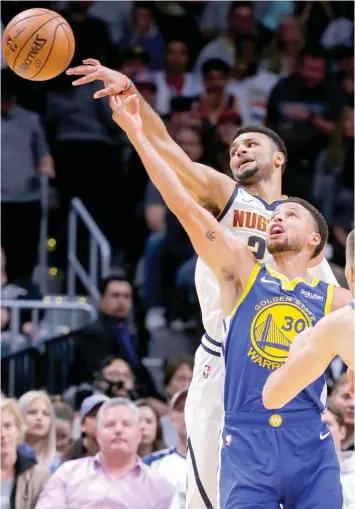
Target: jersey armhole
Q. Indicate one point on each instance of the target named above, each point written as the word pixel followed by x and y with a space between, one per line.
pixel 228 204
pixel 251 280
pixel 329 299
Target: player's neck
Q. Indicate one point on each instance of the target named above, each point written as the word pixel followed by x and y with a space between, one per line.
pixel 291 265
pixel 270 190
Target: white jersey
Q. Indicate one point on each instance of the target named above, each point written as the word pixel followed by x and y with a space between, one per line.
pixel 245 217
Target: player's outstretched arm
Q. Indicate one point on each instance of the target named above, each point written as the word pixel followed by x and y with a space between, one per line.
pixel 310 354
pixel 226 257
pixel 205 184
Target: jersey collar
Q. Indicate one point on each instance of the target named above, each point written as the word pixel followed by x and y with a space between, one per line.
pixel 286 284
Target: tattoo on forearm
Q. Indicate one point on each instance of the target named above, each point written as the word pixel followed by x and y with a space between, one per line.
pixel 210 235
pixel 144 142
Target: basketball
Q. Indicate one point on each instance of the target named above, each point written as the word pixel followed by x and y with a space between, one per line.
pixel 38 44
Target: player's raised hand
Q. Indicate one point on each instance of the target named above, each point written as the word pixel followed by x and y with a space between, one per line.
pixel 92 70
pixel 130 121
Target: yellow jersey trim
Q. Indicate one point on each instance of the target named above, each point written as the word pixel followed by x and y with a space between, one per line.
pixel 286 284
pixel 251 280
pixel 329 301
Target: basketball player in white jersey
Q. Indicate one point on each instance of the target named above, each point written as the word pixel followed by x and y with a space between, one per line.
pixel 313 350
pixel 243 207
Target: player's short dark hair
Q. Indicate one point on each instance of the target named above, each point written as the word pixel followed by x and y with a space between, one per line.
pixel 104 283
pixel 172 364
pixel 270 134
pixel 322 227
pixel 337 414
pixel 216 64
pixel 350 248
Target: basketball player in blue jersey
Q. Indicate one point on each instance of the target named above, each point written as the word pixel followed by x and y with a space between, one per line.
pixel 258 159
pixel 267 459
pixel 313 350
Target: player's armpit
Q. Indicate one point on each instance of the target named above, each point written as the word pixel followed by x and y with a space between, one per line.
pixel 305 364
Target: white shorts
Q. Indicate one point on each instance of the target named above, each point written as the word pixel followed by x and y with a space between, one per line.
pixel 203 416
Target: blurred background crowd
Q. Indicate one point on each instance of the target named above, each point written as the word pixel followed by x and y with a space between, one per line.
pixel 125 321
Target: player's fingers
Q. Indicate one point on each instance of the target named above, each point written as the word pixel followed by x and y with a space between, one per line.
pixel 81 69
pixel 91 61
pixel 115 103
pixel 104 92
pixel 88 79
pixel 130 99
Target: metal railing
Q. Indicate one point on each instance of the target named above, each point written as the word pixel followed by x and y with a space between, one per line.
pixel 43 232
pixel 24 361
pixel 99 252
pixel 57 305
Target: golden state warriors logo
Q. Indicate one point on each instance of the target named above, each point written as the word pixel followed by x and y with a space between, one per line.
pixel 274 326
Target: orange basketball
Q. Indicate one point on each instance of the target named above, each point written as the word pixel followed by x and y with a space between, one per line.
pixel 38 44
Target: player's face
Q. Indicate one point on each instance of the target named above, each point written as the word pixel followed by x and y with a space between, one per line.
pixel 291 228
pixel 253 157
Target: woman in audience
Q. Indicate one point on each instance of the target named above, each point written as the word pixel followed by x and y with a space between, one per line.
pixel 37 411
pixel 152 435
pixel 21 478
pixel 64 418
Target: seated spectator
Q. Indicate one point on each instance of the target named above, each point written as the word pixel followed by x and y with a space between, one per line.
pixel 240 22
pixel 115 379
pixel 114 474
pixel 172 462
pixel 174 80
pixel 92 37
pixel 304 108
pixel 342 401
pixel 87 444
pixel 146 86
pixel 283 53
pixel 185 112
pixel 135 59
pixel 177 376
pixel 38 414
pixel 335 421
pixel 24 157
pixel 167 248
pixel 216 98
pixel 111 334
pixel 152 434
pixel 333 184
pixel 64 418
pixel 145 33
pixel 20 289
pixel 21 478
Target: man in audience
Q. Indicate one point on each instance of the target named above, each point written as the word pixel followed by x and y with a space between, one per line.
pixel 24 157
pixel 341 400
pixel 111 334
pixel 303 109
pixel 335 421
pixel 115 379
pixel 172 462
pixel 174 80
pixel 87 444
pixel 115 477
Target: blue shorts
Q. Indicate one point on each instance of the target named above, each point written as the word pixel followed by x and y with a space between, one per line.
pixel 287 459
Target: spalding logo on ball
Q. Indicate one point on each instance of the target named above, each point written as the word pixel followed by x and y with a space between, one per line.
pixel 38 44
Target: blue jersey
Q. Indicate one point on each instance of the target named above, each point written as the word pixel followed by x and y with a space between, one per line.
pixel 259 332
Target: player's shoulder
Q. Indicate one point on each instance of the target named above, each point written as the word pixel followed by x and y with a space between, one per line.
pixel 341 298
pixel 158 455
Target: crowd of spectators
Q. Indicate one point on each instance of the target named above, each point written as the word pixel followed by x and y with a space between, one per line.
pixel 206 68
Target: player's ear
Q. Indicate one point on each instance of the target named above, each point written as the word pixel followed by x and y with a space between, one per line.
pixel 315 239
pixel 279 159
